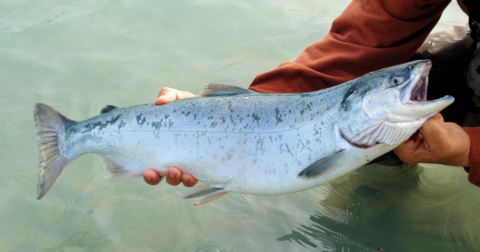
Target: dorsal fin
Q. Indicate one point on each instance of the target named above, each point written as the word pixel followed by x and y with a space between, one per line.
pixel 107 109
pixel 213 89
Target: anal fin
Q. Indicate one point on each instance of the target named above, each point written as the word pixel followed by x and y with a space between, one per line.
pixel 210 193
pixel 114 170
pixel 322 165
pixel 209 199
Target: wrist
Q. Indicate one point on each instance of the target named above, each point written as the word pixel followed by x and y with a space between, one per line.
pixel 465 157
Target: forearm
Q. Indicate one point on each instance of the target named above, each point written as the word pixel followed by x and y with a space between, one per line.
pixel 367 36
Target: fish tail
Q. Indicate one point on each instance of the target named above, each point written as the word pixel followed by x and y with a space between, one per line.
pixel 48 123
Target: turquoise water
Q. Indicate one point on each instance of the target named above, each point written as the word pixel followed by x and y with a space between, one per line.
pixel 78 56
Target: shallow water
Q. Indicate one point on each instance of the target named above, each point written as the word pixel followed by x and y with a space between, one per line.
pixel 78 55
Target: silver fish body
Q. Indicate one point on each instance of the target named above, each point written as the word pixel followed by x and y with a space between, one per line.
pixel 236 140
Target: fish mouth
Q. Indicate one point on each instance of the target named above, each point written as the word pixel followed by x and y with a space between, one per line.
pixel 414 105
pixel 419 91
pixel 416 90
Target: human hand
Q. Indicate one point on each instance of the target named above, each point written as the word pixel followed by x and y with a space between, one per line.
pixel 174 177
pixel 174 174
pixel 438 142
pixel 167 94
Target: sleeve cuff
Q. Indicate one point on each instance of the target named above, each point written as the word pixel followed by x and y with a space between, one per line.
pixel 474 169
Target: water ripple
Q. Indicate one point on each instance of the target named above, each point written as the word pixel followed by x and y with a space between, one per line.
pixel 20 17
pixel 210 242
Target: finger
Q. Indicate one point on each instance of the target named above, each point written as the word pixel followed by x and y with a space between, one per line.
pixel 151 177
pixel 166 95
pixel 407 150
pixel 170 94
pixel 411 143
pixel 174 176
pixel 188 180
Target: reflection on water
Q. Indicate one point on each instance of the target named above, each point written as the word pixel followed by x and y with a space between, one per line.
pixel 79 55
pixel 413 207
pixel 93 240
pixel 82 239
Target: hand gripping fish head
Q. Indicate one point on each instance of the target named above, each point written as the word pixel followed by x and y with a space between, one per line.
pixel 388 106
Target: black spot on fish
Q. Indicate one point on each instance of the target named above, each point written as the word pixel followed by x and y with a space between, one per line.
pixel 288 149
pixel 121 124
pixel 256 118
pixel 101 125
pixel 278 116
pixel 188 113
pixel 259 143
pixel 157 125
pixel 140 120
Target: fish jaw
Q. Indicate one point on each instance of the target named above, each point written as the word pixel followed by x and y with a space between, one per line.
pixel 413 103
pixel 418 110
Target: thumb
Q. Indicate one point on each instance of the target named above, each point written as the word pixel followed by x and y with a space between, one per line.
pixel 435 133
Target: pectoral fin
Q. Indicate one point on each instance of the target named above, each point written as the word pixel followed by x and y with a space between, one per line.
pixel 322 165
pixel 211 193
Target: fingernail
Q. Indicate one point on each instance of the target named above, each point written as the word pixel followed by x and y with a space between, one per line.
pixel 172 175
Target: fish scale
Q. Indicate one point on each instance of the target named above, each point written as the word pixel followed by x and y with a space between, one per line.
pixel 237 140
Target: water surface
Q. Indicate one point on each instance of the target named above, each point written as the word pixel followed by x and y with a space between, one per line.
pixel 79 55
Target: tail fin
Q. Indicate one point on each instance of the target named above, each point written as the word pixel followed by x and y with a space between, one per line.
pixel 48 122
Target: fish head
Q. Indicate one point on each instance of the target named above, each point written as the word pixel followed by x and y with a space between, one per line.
pixel 388 106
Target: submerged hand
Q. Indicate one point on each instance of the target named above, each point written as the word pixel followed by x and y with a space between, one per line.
pixel 174 174
pixel 438 142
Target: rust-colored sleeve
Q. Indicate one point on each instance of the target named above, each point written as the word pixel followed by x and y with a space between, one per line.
pixel 367 36
pixel 474 173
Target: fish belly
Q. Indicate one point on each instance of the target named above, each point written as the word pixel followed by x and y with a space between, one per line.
pixel 257 163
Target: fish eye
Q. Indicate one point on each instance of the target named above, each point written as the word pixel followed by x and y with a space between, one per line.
pixel 397 80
